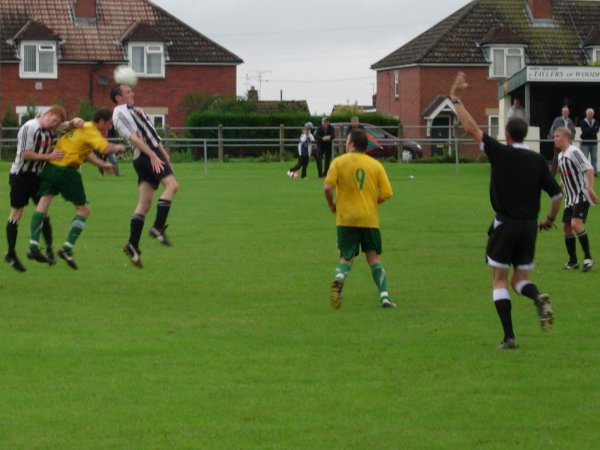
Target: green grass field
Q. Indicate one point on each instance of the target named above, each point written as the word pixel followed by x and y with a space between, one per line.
pixel 227 340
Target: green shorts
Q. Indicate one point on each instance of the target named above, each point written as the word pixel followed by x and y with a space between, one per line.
pixel 349 239
pixel 65 181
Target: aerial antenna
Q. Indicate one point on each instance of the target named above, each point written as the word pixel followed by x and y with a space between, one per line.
pixel 258 77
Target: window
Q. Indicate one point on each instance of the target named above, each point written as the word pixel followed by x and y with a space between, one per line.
pixel 596 55
pixel 158 120
pixel 38 60
pixel 396 85
pixel 375 132
pixel 493 126
pixel 147 59
pixel 506 62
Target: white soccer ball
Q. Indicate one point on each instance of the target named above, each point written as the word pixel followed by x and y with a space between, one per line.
pixel 125 75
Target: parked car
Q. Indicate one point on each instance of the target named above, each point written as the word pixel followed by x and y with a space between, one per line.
pixel 388 143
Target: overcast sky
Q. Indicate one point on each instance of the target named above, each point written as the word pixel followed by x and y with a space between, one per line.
pixel 319 51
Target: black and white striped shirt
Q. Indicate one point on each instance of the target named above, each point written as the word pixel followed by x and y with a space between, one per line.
pixel 573 167
pixel 32 137
pixel 128 120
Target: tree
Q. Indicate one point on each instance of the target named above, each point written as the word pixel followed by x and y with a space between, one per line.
pixel 31 111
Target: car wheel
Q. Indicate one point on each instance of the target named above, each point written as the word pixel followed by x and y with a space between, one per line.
pixel 407 155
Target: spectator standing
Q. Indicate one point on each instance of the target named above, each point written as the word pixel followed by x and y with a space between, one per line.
pixel 516 110
pixel 324 136
pixel 589 138
pixel 562 121
pixel 354 125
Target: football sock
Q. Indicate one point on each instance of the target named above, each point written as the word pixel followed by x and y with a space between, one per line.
pixel 380 279
pixel 75 230
pixel 342 270
pixel 162 212
pixel 135 230
pixel 12 230
pixel 504 310
pixel 37 221
pixel 47 231
pixel 528 289
pixel 585 244
pixel 570 243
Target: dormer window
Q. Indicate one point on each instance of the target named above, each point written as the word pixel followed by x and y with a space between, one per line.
pixel 147 59
pixel 506 61
pixel 38 60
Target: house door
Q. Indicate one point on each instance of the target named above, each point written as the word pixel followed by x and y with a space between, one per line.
pixel 440 136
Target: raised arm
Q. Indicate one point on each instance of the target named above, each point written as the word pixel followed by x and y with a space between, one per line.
pixel 465 118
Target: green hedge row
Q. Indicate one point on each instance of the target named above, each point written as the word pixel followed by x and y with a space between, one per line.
pixel 249 125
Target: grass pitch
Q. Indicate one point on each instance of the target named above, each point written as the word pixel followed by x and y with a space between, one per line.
pixel 227 340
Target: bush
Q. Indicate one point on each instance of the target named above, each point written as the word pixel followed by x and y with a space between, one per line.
pixel 10 125
pixel 86 109
pixel 249 128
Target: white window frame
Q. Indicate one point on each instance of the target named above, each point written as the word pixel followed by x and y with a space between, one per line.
pixel 494 126
pixel 150 48
pixel 505 52
pixel 396 85
pixel 41 47
pixel 155 117
pixel 595 54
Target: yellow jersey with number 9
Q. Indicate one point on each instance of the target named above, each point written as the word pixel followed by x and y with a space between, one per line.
pixel 358 180
pixel 78 144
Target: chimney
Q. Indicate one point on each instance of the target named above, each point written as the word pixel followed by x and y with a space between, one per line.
pixel 541 9
pixel 85 9
pixel 253 94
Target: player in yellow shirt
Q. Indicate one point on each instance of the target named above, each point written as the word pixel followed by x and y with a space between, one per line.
pixel 63 177
pixel 354 187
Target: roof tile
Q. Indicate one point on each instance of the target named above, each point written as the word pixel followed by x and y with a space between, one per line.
pixel 456 39
pixel 100 40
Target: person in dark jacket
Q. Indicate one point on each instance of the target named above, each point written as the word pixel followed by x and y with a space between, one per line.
pixel 589 137
pixel 324 136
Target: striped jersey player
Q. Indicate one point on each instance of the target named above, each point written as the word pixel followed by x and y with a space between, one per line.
pixel 577 177
pixel 152 165
pixel 34 145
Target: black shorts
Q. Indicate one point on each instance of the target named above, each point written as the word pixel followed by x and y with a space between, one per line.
pixel 577 211
pixel 23 186
pixel 512 242
pixel 145 173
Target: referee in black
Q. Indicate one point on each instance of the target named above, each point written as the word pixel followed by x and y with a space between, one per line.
pixel 518 175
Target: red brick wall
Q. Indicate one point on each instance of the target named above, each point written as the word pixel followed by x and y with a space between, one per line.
pixel 74 84
pixel 481 94
pixel 420 85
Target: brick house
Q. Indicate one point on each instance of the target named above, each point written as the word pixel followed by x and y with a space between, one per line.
pixel 66 50
pixel 499 45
